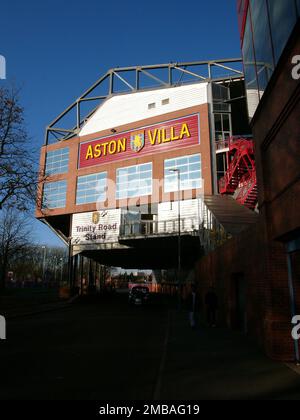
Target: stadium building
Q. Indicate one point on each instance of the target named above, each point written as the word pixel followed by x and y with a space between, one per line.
pixel 139 156
pixel 153 167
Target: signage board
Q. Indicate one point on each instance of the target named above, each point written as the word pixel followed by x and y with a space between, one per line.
pixel 161 137
pixel 96 227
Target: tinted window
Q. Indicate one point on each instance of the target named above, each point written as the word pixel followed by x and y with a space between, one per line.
pixel 91 188
pixel 298 7
pixel 55 194
pixel 283 19
pixel 250 69
pixel 262 43
pixel 189 168
pixel 57 161
pixel 134 181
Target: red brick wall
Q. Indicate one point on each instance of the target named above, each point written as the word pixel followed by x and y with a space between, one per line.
pixel 259 253
pixel 263 266
pixel 276 131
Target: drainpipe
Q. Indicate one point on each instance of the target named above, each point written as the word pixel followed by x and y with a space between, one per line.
pixel 292 301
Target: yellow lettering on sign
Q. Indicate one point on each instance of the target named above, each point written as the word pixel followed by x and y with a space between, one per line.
pixel 89 153
pixel 173 137
pixel 152 136
pixel 164 138
pixel 97 151
pixel 104 145
pixel 155 136
pixel 112 147
pixel 159 136
pixel 122 145
pixel 184 131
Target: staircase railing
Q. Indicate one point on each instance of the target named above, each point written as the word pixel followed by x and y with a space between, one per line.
pixel 243 161
pixel 245 192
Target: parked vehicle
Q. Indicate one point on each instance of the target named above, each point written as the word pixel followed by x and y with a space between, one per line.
pixel 139 295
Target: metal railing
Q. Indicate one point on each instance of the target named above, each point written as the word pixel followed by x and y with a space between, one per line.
pixel 158 227
pixel 211 233
pixel 222 144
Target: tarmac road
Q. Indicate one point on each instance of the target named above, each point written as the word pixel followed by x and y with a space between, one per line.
pixel 108 350
pixel 101 350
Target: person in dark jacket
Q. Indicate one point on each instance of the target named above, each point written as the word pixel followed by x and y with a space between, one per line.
pixel 211 302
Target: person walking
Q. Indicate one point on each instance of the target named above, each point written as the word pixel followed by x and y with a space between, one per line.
pixel 211 302
pixel 192 301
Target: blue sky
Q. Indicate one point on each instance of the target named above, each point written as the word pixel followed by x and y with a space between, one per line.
pixel 56 49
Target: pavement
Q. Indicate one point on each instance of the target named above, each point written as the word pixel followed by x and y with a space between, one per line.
pixel 219 364
pixel 108 350
pixel 22 302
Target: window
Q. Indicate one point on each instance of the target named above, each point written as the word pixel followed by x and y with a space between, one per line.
pixel 222 126
pixel 262 43
pixel 190 173
pixel 57 161
pixel 221 165
pixel 91 188
pixel 298 7
pixel 165 101
pixel 220 96
pixel 283 19
pixel 250 69
pixel 55 194
pixel 151 106
pixel 134 181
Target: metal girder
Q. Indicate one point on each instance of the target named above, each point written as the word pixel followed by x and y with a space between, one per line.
pixel 93 98
pixel 190 73
pixel 204 75
pixel 228 68
pixel 154 77
pixel 123 80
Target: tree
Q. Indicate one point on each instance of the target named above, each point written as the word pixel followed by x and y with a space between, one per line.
pixel 37 260
pixel 18 174
pixel 15 236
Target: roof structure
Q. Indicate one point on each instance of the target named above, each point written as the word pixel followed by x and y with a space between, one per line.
pixel 128 80
pixel 233 216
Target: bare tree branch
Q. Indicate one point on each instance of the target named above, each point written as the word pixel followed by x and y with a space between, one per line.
pixel 15 237
pixel 19 175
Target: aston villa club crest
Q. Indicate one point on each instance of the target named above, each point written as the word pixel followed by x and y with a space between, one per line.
pixel 137 141
pixel 95 217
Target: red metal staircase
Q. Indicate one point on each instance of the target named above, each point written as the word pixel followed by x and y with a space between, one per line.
pixel 240 177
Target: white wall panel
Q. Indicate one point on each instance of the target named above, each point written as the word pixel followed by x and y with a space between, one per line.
pixel 124 109
pixel 190 215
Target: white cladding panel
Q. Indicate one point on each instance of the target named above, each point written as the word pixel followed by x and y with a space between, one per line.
pixel 190 216
pixel 124 109
pixel 96 227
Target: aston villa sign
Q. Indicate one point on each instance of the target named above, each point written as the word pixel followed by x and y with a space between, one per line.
pixel 161 137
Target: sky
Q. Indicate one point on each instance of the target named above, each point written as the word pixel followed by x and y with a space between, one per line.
pixel 55 50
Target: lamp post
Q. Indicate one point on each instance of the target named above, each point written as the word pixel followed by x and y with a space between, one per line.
pixel 44 262
pixel 55 267
pixel 176 170
pixel 70 263
pixel 61 271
